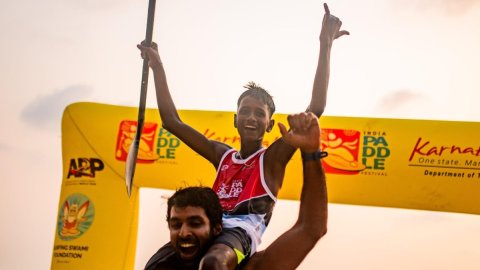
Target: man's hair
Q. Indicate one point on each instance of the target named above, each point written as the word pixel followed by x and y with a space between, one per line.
pixel 256 91
pixel 203 197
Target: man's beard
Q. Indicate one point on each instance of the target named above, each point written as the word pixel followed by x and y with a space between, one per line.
pixel 196 261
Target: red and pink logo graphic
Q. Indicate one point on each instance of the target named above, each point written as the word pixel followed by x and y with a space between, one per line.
pixel 343 147
pixel 126 134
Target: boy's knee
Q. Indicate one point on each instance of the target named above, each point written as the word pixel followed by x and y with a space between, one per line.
pixel 219 259
pixel 211 262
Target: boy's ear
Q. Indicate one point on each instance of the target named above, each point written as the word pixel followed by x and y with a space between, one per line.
pixel 235 120
pixel 271 124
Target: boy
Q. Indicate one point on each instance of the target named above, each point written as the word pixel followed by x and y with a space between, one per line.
pixel 249 179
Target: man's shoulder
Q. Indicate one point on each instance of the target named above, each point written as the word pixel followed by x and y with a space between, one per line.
pixel 165 256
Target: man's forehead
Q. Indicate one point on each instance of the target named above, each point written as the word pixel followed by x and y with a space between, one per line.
pixel 188 212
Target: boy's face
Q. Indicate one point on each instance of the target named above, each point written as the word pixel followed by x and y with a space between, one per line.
pixel 252 119
pixel 190 232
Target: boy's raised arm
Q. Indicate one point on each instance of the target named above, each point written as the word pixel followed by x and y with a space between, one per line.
pixel 280 153
pixel 330 31
pixel 289 250
pixel 209 149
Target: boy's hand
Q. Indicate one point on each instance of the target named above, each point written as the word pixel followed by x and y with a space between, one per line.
pixel 150 53
pixel 331 27
pixel 304 131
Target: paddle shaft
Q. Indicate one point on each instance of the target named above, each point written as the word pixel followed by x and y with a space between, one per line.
pixel 133 152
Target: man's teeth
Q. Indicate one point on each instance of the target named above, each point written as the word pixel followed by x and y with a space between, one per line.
pixel 186 245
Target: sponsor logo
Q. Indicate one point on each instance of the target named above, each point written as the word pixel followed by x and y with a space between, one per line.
pixel 352 152
pixel 226 191
pixel 84 167
pixel 167 144
pixel 75 217
pixel 424 149
pixel 375 150
pixel 343 147
pixel 146 146
pixel 440 160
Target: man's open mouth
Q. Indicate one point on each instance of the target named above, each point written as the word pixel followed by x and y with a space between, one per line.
pixel 188 249
pixel 187 245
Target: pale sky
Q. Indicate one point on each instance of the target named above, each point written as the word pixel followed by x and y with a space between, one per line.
pixel 404 59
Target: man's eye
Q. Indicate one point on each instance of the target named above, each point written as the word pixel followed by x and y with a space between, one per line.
pixel 196 224
pixel 175 225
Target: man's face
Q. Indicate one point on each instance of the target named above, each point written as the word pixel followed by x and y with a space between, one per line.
pixel 190 232
pixel 252 119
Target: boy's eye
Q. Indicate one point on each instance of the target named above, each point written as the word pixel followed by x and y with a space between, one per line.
pixel 260 113
pixel 243 111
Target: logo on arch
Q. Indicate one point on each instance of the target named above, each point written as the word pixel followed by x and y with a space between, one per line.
pixel 146 146
pixel 344 151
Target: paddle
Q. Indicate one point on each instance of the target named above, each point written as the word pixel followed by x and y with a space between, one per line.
pixel 133 151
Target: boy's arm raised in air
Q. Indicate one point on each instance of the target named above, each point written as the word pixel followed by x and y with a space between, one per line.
pixel 289 250
pixel 209 149
pixel 330 31
pixel 279 153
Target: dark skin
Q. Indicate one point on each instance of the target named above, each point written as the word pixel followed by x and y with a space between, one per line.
pixel 190 233
pixel 252 120
pixel 311 224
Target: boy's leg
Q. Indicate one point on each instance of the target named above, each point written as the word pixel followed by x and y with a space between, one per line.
pixel 219 257
pixel 229 249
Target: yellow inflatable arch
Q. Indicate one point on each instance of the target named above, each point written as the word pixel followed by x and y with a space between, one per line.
pixel 416 164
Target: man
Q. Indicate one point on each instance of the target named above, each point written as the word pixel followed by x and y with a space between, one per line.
pixel 247 213
pixel 193 226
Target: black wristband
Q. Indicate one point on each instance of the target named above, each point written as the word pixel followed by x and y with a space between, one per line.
pixel 314 156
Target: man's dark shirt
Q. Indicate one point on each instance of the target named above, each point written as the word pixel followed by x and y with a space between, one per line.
pixel 166 259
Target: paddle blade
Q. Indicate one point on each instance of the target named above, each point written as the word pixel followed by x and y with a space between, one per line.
pixel 130 165
pixel 133 151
